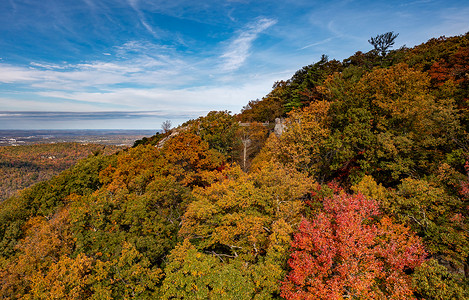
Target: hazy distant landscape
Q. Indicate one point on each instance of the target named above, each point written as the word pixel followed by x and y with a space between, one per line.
pixel 104 137
pixel 31 156
pixel 24 165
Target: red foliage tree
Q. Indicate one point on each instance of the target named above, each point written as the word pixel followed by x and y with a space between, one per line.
pixel 346 253
pixel 455 67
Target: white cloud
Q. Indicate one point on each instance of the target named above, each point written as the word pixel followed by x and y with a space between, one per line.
pixel 13 74
pixel 14 104
pixel 135 63
pixel 238 50
pixel 316 44
pixel 141 16
pixel 48 66
pixel 199 99
pixel 137 76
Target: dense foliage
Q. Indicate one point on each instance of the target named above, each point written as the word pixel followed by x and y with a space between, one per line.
pixel 363 195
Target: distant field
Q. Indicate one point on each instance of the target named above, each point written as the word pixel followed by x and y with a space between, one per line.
pixel 23 166
pixel 104 137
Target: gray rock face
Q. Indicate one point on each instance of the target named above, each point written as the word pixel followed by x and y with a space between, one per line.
pixel 174 133
pixel 279 126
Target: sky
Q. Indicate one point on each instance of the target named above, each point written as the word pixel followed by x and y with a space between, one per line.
pixel 132 64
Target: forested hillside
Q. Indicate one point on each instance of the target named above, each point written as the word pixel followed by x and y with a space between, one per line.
pixel 23 166
pixel 364 195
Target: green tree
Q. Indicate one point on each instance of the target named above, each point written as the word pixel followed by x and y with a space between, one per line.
pixel 303 142
pixel 382 42
pixel 191 274
pixel 218 129
pixel 387 124
pixel 434 215
pixel 248 218
pixel 433 281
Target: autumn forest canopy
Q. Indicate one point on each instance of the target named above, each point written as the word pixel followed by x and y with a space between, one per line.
pixel 349 180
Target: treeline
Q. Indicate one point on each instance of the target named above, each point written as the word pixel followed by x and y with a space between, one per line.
pixel 363 196
pixel 23 166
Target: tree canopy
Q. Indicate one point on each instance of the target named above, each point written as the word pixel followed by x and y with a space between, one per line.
pixel 382 42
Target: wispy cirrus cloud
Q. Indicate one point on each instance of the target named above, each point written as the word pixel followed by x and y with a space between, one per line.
pixel 238 50
pixel 137 75
pixel 138 63
pixel 142 18
pixel 316 44
pixel 16 74
pixel 134 62
pixel 189 100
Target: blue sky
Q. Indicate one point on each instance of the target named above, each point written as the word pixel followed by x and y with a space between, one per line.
pixel 133 64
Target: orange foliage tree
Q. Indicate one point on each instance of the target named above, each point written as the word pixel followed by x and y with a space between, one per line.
pixel 345 252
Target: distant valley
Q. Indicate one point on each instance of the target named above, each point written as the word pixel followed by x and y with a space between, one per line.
pixel 31 156
pixel 103 137
pixel 24 165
